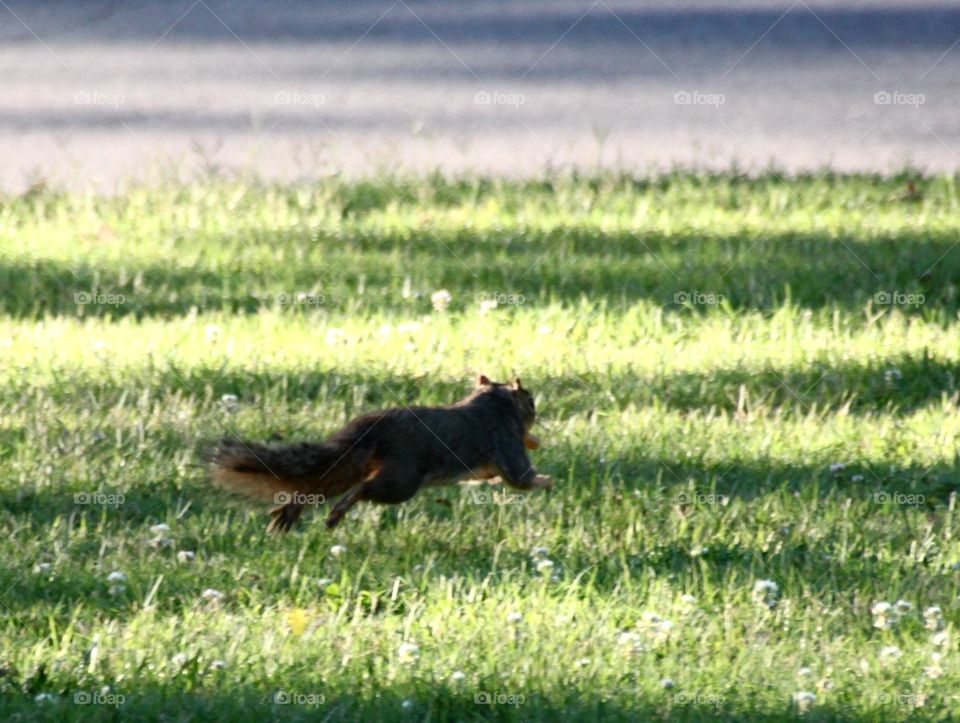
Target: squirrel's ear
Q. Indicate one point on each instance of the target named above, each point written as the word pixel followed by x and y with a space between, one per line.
pixel 483 381
pixel 517 385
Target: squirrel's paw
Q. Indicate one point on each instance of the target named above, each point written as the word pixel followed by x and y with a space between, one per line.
pixel 543 481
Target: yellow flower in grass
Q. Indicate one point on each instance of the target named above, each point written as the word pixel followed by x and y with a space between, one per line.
pixel 298 619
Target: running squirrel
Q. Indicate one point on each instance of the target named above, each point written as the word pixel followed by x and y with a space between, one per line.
pixel 389 456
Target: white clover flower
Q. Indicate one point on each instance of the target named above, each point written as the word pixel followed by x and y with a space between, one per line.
pixel 116 577
pixel 766 593
pixel 903 607
pixel 441 299
pixel 885 615
pixel 45 698
pixel 837 467
pixel 407 704
pixel 891 652
pixel 804 699
pixel 160 529
pixel 940 639
pixel 545 566
pixel 892 375
pixel 699 551
pixel 179 659
pixel 338 550
pixel 632 642
pixel 336 336
pixel 229 399
pixel 688 599
pixel 933 617
pixel 212 333
pixel 804 672
pixel 457 676
pixel 857 478
pixel 409 327
pixel 218 665
pixel 212 595
pixel 186 556
pixel 539 552
pixel 515 617
pixel 42 568
pixel 408 652
pixel 667 683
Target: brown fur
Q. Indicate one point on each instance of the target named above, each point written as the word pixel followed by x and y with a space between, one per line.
pixel 388 456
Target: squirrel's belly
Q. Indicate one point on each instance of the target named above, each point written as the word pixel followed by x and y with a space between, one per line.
pixel 483 472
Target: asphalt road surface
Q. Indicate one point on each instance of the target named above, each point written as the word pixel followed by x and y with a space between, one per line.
pixel 93 94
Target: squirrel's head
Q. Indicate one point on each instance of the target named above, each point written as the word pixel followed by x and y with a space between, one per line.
pixel 521 397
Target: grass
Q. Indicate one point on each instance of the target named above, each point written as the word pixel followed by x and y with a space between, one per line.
pixel 726 396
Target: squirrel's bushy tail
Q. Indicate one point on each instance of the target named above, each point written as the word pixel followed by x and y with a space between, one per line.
pixel 262 471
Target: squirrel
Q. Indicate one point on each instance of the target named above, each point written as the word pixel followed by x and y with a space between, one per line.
pixel 389 456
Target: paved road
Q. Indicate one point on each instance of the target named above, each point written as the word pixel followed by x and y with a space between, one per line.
pixel 96 93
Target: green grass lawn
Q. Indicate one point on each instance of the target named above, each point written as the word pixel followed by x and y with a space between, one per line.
pixel 739 380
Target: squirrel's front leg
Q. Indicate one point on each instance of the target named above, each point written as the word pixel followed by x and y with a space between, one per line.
pixel 516 468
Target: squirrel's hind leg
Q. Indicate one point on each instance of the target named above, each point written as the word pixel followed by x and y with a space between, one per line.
pixel 391 485
pixel 284 517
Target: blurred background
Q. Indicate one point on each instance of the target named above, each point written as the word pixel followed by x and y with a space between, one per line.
pixel 98 93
